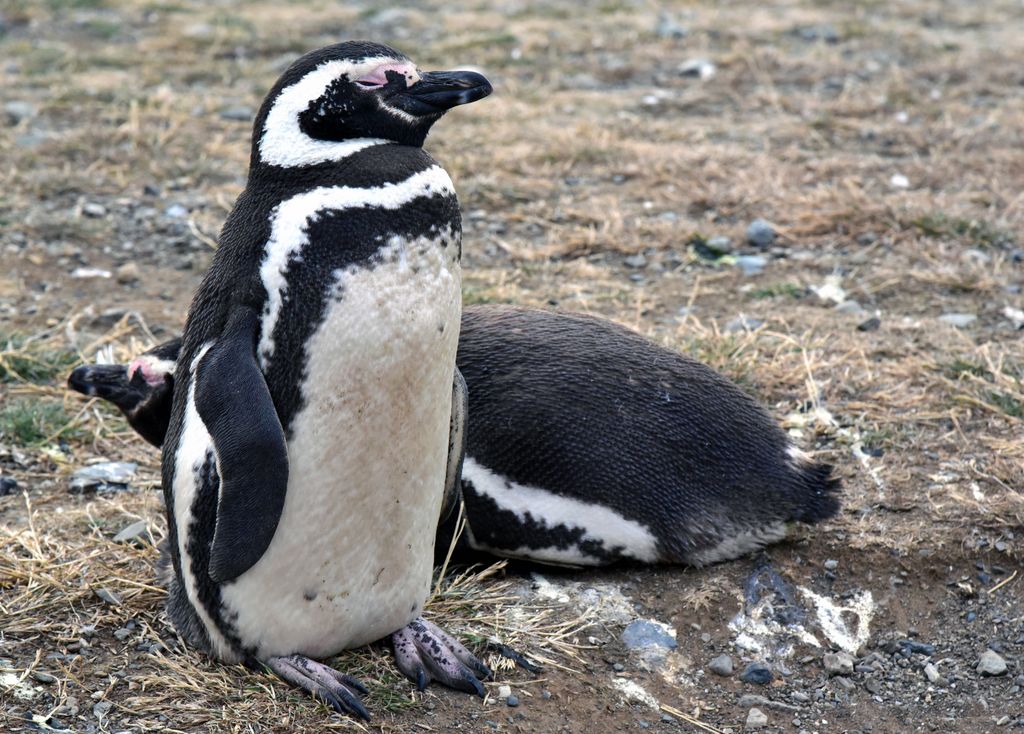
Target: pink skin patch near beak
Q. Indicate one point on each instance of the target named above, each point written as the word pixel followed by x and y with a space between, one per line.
pixel 379 76
pixel 149 374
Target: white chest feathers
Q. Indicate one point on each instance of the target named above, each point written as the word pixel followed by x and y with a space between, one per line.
pixel 352 555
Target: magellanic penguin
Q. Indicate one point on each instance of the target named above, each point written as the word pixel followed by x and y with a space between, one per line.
pixel 587 443
pixel 308 447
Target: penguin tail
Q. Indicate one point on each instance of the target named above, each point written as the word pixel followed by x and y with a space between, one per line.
pixel 821 492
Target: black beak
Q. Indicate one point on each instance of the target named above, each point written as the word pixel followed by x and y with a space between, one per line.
pixel 107 381
pixel 439 91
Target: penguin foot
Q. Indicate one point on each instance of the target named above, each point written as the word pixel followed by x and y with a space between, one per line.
pixel 323 682
pixel 424 652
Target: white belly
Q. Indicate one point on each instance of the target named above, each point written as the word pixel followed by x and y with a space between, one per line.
pixel 352 556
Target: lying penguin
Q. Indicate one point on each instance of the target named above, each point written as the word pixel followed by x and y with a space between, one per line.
pixel 307 450
pixel 586 444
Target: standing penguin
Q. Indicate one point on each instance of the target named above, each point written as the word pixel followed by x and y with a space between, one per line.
pixel 308 445
pixel 587 444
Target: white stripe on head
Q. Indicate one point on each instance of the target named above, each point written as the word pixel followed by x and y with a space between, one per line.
pixel 290 221
pixel 599 523
pixel 282 142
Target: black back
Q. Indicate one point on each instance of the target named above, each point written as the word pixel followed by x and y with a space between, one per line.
pixel 613 419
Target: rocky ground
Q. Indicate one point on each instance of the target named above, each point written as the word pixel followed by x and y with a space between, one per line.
pixel 821 200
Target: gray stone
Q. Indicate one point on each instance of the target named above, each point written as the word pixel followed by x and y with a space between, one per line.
pixel 239 113
pixel 721 665
pixel 645 633
pixel 761 234
pixel 108 596
pixel 849 307
pixel 743 323
pixel 669 27
pixel 43 677
pixel 504 691
pixel 699 67
pixel 512 701
pixel 8 485
pixel 871 324
pixel 959 320
pixel 751 264
pixel 991 663
pixel 18 110
pixel 94 210
pixel 837 663
pixel 176 211
pixel 831 565
pixel 799 696
pixel 101 709
pixel 756 719
pixel 127 273
pixel 105 475
pixel 720 244
pixel 636 261
pixel 122 634
pixel 757 673
pixel 748 700
pixel 932 674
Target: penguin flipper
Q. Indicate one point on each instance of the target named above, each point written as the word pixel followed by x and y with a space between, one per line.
pixel 457 435
pixel 233 399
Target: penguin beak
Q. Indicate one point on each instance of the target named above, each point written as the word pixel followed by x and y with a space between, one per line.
pixel 107 381
pixel 439 91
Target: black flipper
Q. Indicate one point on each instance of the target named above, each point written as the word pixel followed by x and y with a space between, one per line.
pixel 456 447
pixel 234 402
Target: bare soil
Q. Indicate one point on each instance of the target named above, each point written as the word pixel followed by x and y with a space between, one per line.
pixel 883 141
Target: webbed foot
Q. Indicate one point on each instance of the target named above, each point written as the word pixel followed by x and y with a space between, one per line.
pixel 424 652
pixel 323 682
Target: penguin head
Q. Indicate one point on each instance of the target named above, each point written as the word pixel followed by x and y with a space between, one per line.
pixel 344 97
pixel 142 390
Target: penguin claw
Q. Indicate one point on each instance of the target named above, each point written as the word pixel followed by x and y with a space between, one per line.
pixel 424 652
pixel 325 683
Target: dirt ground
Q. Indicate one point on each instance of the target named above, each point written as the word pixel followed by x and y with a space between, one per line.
pixel 884 142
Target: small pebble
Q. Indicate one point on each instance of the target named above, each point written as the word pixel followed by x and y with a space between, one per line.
pixel 176 211
pixel 618 667
pixel 899 181
pixel 8 485
pixel 959 320
pixel 43 677
pixel 758 673
pixel 108 596
pixel 837 663
pixel 751 264
pixel 721 665
pixel 127 273
pixel 720 244
pixel 131 532
pixel 512 701
pixel 991 663
pixel 756 719
pixel 850 307
pixel 94 210
pixel 101 709
pixel 122 634
pixel 504 691
pixel 238 114
pixel 17 110
pixel 647 633
pixel 636 261
pixel 742 323
pixel 871 324
pixel 799 696
pixel 761 233
pixel 700 68
pixel 545 694
pixel 932 673
pixel 831 564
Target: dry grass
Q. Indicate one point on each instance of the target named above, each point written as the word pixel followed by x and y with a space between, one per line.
pixel 592 149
